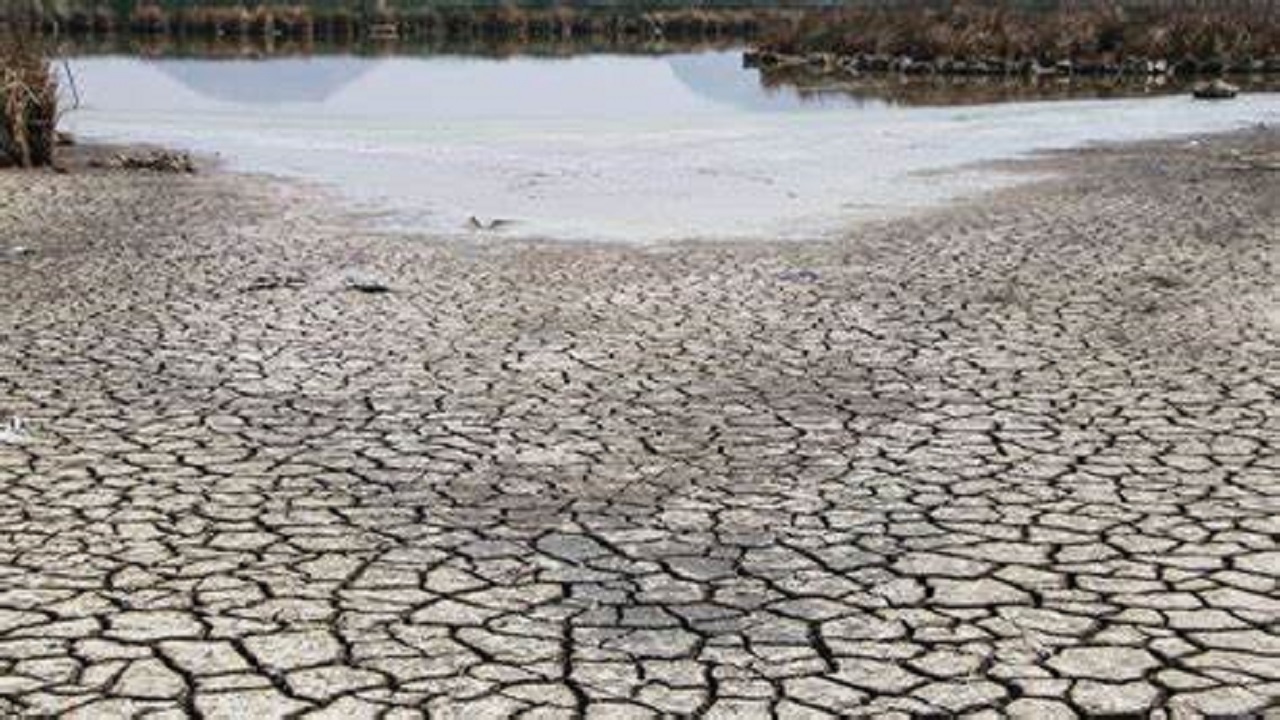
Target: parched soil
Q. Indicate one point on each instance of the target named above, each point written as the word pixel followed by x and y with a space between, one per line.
pixel 1021 455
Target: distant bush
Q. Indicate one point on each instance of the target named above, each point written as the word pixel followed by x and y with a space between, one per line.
pixel 28 103
pixel 1092 31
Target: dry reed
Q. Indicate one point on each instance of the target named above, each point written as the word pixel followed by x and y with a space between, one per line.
pixel 28 103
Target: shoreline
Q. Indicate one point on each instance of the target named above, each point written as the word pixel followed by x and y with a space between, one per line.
pixel 1018 455
pixel 734 172
pixel 988 178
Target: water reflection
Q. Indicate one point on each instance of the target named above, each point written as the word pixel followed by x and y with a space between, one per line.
pixel 311 71
pixel 442 88
pixel 255 47
pixel 459 86
pixel 289 80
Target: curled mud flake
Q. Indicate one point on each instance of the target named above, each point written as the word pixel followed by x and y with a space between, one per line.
pixel 366 284
pixel 14 431
pixel 476 223
pixel 798 276
pixel 275 282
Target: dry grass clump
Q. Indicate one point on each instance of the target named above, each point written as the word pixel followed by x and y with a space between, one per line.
pixel 1102 31
pixel 28 104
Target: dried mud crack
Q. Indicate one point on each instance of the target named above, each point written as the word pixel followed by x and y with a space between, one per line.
pixel 1017 458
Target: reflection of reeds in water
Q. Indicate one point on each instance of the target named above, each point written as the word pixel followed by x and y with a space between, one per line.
pixel 256 47
pixel 508 21
pixel 1096 32
pixel 28 103
pixel 222 20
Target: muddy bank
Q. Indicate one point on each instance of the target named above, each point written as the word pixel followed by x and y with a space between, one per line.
pixel 854 64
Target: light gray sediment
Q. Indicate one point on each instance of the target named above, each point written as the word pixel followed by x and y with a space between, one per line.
pixel 1019 457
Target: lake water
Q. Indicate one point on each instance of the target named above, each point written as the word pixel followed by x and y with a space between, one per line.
pixel 604 147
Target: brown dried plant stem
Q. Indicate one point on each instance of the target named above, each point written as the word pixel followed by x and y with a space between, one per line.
pixel 28 104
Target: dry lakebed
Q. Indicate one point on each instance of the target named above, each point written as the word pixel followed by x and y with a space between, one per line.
pixel 1018 456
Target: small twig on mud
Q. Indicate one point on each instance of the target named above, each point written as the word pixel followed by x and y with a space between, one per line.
pixel 71 82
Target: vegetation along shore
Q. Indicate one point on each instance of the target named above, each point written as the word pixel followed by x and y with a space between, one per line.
pixel 1101 39
pixel 964 37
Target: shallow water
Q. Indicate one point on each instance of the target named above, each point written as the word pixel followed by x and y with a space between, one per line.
pixel 605 147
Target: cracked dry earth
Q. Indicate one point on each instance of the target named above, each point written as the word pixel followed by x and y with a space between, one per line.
pixel 1015 458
